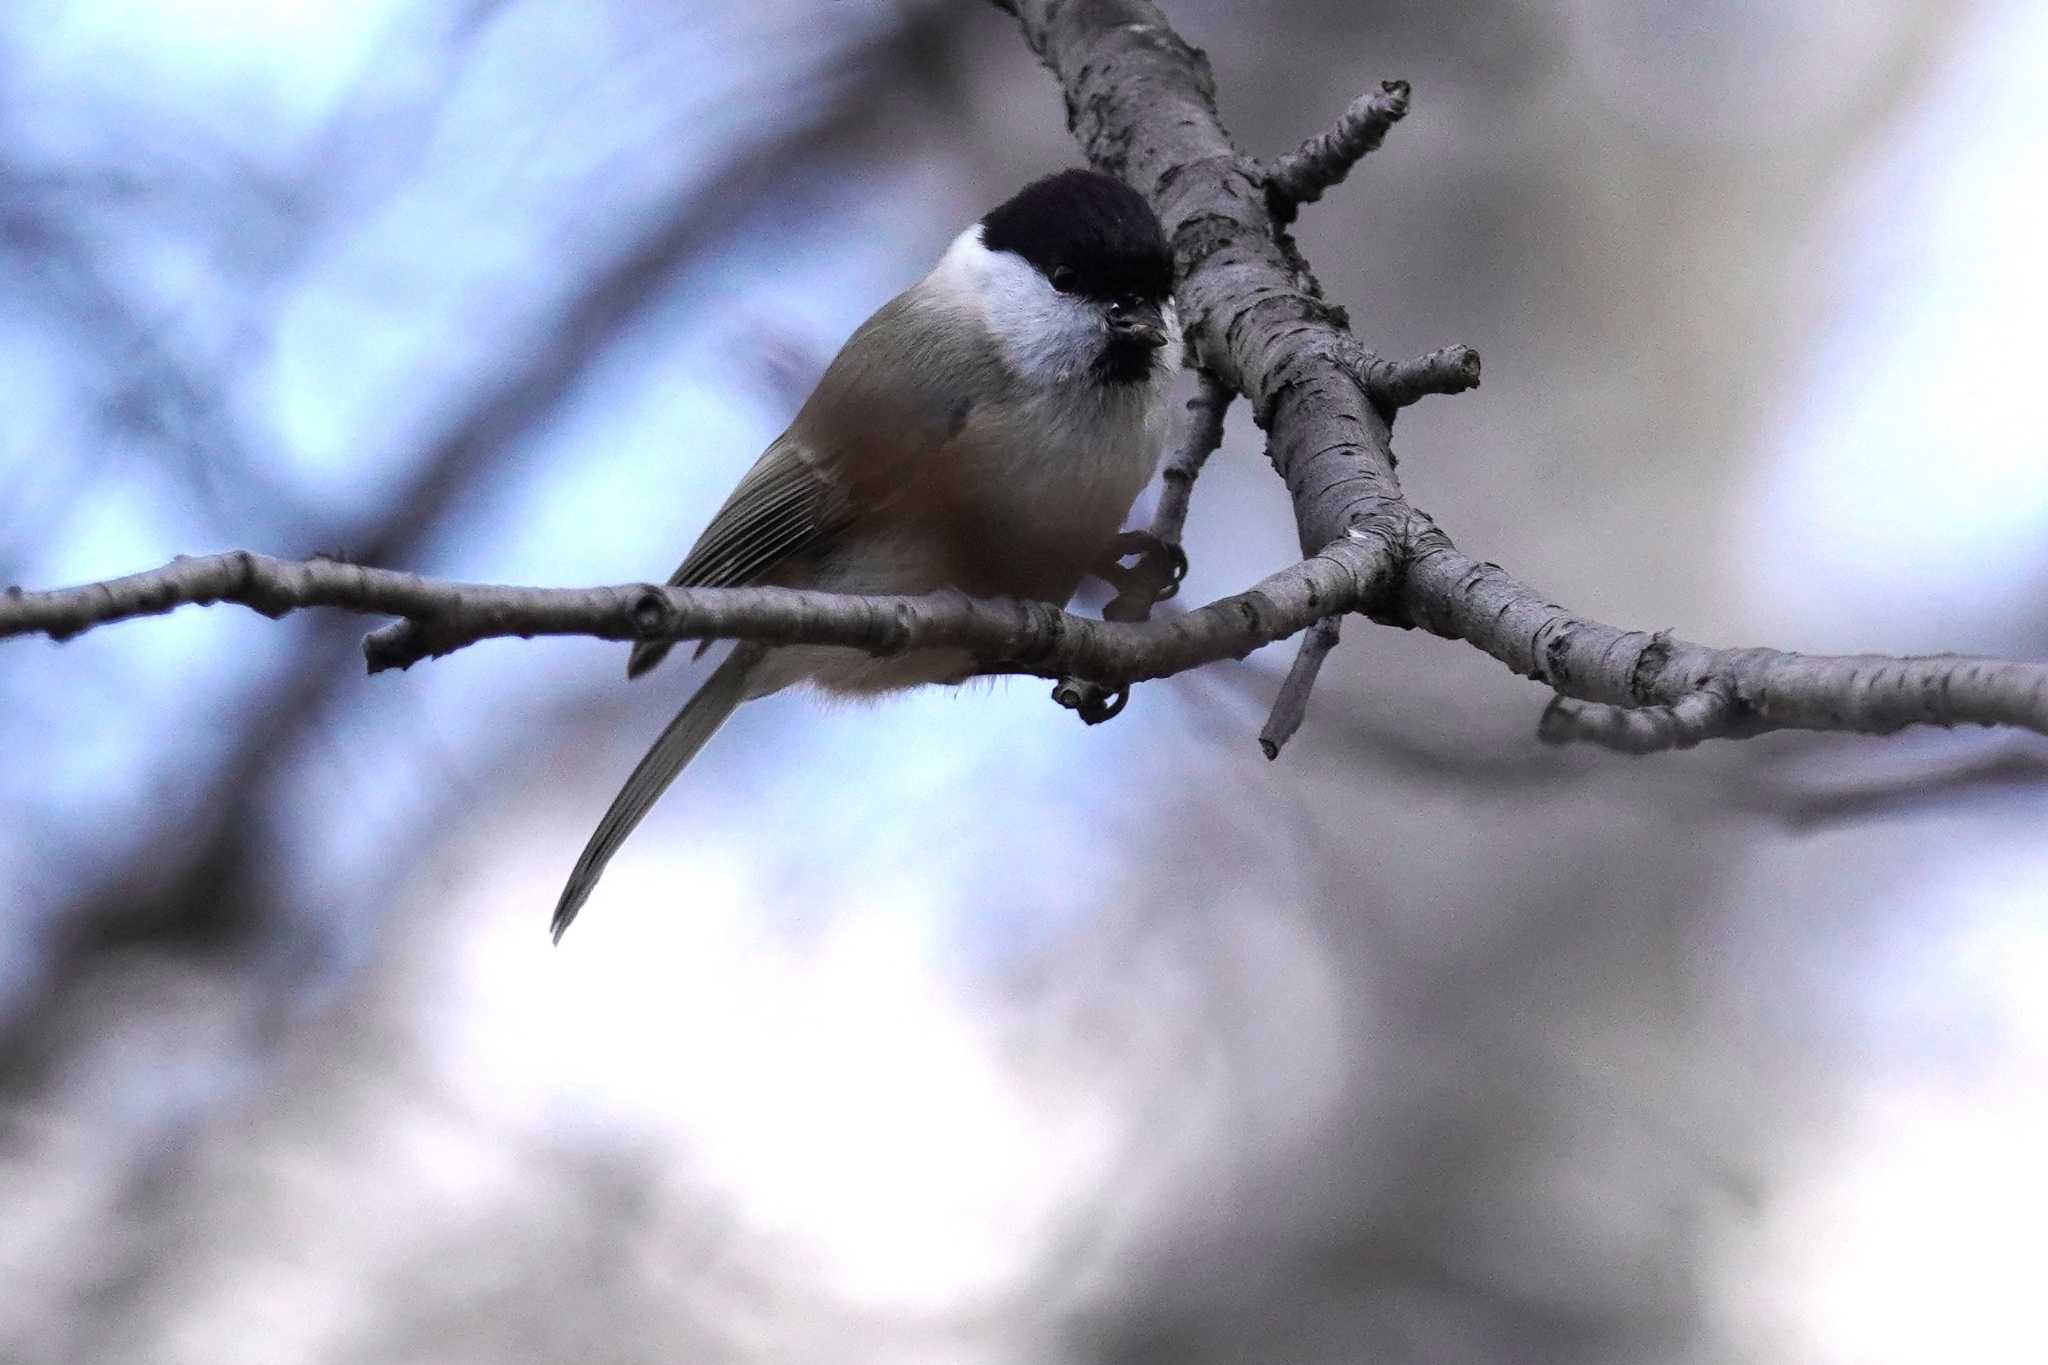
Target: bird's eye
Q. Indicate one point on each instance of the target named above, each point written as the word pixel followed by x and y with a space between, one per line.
pixel 1062 278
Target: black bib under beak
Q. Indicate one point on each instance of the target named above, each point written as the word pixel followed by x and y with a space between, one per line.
pixel 1137 323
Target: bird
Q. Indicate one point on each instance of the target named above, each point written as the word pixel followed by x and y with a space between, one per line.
pixel 986 430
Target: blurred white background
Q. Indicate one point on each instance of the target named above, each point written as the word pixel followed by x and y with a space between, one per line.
pixel 946 1029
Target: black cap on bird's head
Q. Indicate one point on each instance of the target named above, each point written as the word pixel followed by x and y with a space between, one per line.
pixel 1089 234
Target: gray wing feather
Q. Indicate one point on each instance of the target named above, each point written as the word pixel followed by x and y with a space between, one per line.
pixel 897 390
pixel 781 507
pixel 776 509
pixel 700 717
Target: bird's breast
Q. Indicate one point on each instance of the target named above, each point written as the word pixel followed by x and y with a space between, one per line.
pixel 1024 502
pixel 1040 486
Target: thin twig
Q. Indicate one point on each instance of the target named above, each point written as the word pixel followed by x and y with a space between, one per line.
pixel 1301 176
pixel 1200 439
pixel 1290 706
pixel 1161 561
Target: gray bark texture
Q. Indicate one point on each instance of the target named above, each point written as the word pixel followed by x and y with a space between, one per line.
pixel 1141 102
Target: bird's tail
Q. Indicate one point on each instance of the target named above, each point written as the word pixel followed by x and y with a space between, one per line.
pixel 700 717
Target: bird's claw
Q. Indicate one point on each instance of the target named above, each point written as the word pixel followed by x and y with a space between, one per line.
pixel 1165 559
pixel 1153 579
pixel 1091 701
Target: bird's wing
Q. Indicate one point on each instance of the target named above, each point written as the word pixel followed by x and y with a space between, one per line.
pixel 784 505
pixel 895 395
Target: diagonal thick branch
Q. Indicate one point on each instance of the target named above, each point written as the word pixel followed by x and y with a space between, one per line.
pixel 1142 102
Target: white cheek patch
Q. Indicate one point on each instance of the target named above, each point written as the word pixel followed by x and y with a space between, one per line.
pixel 1045 334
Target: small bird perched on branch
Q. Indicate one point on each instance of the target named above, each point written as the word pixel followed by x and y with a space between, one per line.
pixel 987 430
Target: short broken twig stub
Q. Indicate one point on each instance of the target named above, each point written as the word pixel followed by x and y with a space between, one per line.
pixel 1301 176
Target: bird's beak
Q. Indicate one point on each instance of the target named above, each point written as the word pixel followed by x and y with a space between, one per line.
pixel 1138 324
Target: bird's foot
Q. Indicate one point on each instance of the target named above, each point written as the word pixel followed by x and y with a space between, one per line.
pixel 1154 578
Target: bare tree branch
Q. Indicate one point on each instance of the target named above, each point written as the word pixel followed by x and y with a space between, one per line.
pixel 1290 707
pixel 1301 176
pixel 1455 596
pixel 1398 383
pixel 1200 438
pixel 1763 688
pixel 1006 636
pixel 1142 103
